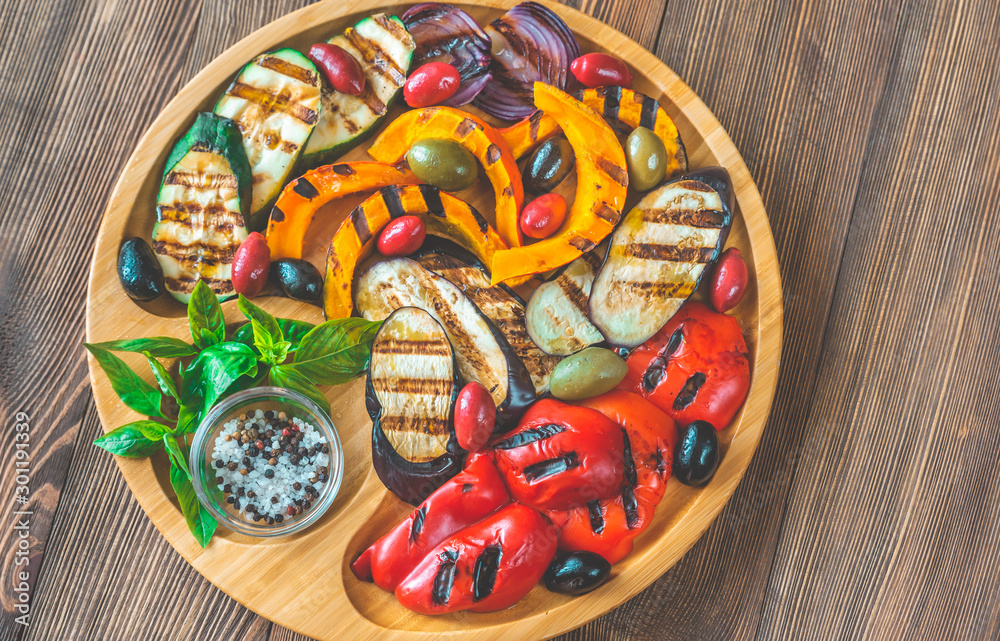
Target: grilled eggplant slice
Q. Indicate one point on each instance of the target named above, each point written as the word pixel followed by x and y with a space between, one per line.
pixel 500 304
pixel 481 351
pixel 384 48
pixel 557 314
pixel 412 385
pixel 275 102
pixel 200 208
pixel 657 256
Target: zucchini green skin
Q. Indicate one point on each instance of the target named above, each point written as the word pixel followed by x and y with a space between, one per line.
pixel 275 102
pixel 201 208
pixel 384 48
pixel 211 132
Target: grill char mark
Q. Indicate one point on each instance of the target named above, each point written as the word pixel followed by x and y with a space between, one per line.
pixel 529 436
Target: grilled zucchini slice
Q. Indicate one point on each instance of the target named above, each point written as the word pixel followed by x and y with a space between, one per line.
pixel 481 351
pixel 499 303
pixel 411 390
pixel 384 48
pixel 657 256
pixel 200 208
pixel 275 101
pixel 557 315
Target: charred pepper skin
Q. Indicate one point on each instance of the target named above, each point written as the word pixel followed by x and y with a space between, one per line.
pixel 471 495
pixel 560 456
pixel 696 368
pixel 488 566
pixel 609 527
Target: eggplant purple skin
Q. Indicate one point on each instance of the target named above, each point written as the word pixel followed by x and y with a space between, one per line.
pixel 520 389
pixel 411 482
pixel 718 179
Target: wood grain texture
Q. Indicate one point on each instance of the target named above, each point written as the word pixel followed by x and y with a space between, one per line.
pixel 855 120
pixel 68 65
pixel 304 581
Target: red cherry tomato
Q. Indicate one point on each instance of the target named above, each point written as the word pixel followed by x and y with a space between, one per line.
pixel 250 265
pixel 543 216
pixel 402 236
pixel 475 416
pixel 729 281
pixel 340 68
pixel 600 69
pixel 431 84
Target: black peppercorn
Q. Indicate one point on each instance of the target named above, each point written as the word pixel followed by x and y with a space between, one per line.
pixel 236 504
pixel 251 507
pixel 274 499
pixel 219 463
pixel 296 486
pixel 294 458
pixel 322 477
pixel 269 415
pixel 269 433
pixel 246 460
pixel 256 516
pixel 269 473
pixel 269 520
pixel 251 494
pixel 227 488
pixel 218 480
pixel 278 518
pixel 240 491
pixel 230 499
pixel 303 451
pixel 232 466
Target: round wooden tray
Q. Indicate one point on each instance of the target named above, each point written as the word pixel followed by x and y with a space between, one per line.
pixel 304 582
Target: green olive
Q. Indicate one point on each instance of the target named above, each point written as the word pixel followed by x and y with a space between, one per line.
pixel 442 163
pixel 587 373
pixel 647 159
pixel 548 166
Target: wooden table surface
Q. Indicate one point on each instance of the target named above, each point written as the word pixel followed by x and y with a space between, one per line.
pixel 872 129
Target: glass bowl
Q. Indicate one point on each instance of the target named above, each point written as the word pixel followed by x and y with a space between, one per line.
pixel 204 472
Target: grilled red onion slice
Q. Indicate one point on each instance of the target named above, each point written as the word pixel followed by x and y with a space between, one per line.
pixel 530 43
pixel 444 33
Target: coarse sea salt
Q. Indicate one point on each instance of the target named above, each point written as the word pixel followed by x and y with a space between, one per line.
pixel 271 497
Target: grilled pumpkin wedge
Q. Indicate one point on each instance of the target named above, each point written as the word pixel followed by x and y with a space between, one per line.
pixel 657 256
pixel 482 140
pixel 412 386
pixel 302 198
pixel 601 179
pixel 499 303
pixel 557 315
pixel 200 208
pixel 275 102
pixel 355 240
pixel 621 108
pixel 384 48
pixel 481 351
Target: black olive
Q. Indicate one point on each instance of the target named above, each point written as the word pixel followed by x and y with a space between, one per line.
pixel 577 573
pixel 298 279
pixel 548 166
pixel 139 271
pixel 697 455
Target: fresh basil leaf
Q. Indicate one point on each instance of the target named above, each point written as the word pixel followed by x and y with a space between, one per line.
pixel 336 351
pixel 133 390
pixel 288 377
pixel 157 346
pixel 208 377
pixel 267 335
pixel 208 325
pixel 134 440
pixel 198 519
pixel 163 378
pixel 177 455
pixel 292 330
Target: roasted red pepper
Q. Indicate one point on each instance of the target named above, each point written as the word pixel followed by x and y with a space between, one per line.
pixel 488 566
pixel 696 368
pixel 608 527
pixel 561 456
pixel 469 496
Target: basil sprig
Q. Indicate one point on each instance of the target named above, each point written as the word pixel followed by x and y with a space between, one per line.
pixel 287 353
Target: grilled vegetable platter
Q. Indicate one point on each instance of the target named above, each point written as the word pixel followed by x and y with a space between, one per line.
pixel 527 286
